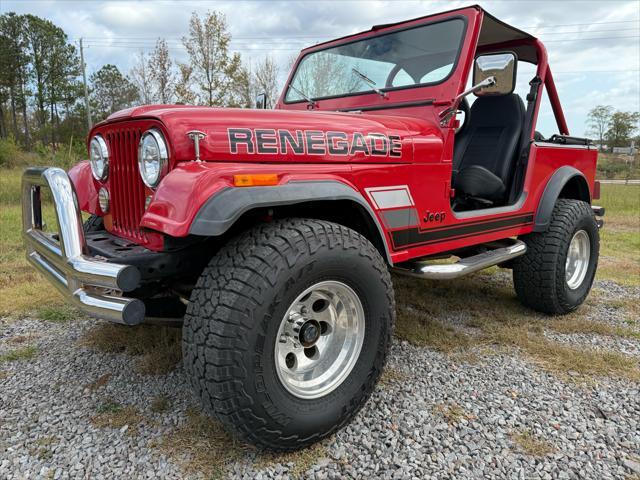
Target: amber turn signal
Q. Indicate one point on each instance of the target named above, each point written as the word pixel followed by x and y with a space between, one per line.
pixel 255 180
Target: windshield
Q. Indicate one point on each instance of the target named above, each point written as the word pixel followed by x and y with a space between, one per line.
pixel 411 57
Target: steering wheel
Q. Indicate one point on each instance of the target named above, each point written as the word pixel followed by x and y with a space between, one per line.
pixel 463 107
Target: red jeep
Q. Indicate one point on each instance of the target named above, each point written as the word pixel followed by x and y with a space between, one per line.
pixel 270 234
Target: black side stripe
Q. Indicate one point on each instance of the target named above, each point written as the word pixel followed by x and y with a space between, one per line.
pixel 413 236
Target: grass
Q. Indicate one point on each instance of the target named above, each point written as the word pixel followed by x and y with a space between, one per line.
pixel 22 338
pixel 531 445
pixel 201 445
pixel 160 404
pixel 620 237
pixel 113 415
pixel 298 462
pixel 99 382
pixel 418 318
pixel 562 359
pixel 453 413
pixel 391 376
pixel 42 448
pixel 22 289
pixel 491 310
pixel 57 314
pixel 18 354
pixel 576 323
pixel 158 349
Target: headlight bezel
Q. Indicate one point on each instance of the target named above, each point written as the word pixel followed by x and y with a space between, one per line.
pixel 103 149
pixel 163 160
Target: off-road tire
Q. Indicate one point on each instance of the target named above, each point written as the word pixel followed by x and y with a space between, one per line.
pixel 93 224
pixel 539 274
pixel 235 311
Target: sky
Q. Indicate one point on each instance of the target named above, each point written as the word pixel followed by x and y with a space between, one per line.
pixel 593 46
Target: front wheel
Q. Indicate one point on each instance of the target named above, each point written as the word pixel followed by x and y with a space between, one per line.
pixel 556 273
pixel 287 331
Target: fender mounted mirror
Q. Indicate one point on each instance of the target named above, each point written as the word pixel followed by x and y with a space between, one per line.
pixel 502 67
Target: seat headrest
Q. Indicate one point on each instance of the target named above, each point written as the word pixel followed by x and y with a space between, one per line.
pixel 510 106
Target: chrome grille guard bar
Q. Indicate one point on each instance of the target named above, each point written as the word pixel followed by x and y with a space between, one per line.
pixel 93 285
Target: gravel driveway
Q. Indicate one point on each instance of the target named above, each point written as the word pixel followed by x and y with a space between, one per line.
pixel 69 411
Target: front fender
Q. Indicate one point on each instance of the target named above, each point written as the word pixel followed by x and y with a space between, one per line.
pixel 86 187
pixel 200 198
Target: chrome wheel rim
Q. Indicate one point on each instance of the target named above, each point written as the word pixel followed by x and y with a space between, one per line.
pixel 577 264
pixel 319 339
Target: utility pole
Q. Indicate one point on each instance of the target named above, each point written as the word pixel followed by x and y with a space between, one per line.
pixel 86 90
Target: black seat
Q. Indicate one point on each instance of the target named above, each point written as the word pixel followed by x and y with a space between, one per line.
pixel 485 151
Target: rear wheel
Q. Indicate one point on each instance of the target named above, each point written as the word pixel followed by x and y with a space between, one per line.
pixel 287 331
pixel 556 273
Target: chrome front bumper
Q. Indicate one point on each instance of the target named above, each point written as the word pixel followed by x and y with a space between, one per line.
pixel 93 285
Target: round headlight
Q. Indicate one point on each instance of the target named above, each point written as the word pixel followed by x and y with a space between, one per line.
pixel 99 158
pixel 153 157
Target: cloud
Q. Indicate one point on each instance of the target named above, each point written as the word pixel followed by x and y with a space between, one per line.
pixel 588 71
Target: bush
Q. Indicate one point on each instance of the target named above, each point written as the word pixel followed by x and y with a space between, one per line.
pixel 12 156
pixel 611 166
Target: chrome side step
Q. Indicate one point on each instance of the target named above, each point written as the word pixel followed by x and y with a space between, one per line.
pixel 464 266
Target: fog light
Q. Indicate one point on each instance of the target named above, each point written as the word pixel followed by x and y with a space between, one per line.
pixel 103 199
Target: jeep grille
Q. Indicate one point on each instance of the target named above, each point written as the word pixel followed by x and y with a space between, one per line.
pixel 127 189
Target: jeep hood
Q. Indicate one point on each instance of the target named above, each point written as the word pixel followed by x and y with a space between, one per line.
pixel 284 136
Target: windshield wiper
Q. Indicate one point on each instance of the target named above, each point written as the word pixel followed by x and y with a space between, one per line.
pixel 370 82
pixel 309 100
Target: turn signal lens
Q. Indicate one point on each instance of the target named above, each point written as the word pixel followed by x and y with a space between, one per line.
pixel 255 180
pixel 103 200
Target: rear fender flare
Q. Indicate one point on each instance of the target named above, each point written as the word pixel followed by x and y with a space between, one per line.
pixel 224 208
pixel 552 192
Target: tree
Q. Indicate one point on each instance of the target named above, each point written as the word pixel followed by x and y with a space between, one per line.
pixel 598 122
pixel 39 73
pixel 141 75
pixel 622 126
pixel 265 80
pixel 214 70
pixel 322 74
pixel 161 72
pixel 239 90
pixel 62 89
pixel 14 73
pixel 54 64
pixel 183 92
pixel 111 91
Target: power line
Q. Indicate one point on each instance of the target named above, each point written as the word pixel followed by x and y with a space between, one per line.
pixel 278 39
pixel 122 44
pixel 319 35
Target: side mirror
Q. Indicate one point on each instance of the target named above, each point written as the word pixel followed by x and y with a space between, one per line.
pixel 502 66
pixel 261 101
